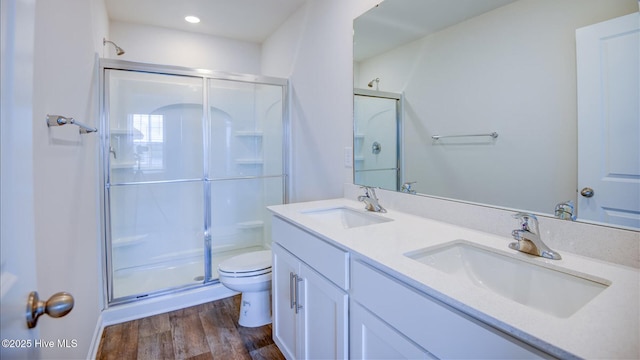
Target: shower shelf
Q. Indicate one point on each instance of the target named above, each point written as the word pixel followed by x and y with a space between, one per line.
pixel 249 133
pixel 137 134
pixel 122 165
pixel 250 224
pixel 249 161
pixel 128 240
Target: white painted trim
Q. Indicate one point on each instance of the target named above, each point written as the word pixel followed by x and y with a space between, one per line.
pixel 95 340
pixel 165 303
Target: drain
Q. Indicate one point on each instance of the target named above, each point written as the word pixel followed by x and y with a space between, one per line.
pixel 198 278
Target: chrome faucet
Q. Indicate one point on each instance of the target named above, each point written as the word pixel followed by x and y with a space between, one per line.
pixel 408 187
pixel 565 211
pixel 371 200
pixel 529 240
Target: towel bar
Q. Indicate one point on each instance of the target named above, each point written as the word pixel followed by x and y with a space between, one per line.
pixel 59 120
pixel 438 137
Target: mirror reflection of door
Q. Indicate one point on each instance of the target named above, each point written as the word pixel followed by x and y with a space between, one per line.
pixel 375 142
pixel 608 55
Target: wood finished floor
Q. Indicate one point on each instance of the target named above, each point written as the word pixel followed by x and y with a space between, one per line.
pixel 207 331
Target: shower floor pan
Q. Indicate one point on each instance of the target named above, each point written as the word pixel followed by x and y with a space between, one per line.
pixel 142 281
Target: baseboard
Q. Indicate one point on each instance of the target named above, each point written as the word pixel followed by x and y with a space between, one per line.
pixel 95 340
pixel 148 307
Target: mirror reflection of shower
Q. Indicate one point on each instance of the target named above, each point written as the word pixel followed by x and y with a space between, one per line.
pixel 376 144
pixel 376 81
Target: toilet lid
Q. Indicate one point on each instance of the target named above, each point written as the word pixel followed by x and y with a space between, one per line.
pixel 249 262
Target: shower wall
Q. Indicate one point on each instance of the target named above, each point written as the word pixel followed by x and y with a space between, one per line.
pixel 187 187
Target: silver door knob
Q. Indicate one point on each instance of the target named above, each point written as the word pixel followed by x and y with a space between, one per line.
pixel 58 305
pixel 587 192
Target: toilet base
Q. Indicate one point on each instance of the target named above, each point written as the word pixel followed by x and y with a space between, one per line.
pixel 255 308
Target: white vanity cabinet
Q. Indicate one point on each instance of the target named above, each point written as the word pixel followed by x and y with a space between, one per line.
pixel 310 301
pixel 372 338
pixel 392 319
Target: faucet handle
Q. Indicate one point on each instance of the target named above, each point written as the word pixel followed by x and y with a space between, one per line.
pixel 524 220
pixel 565 210
pixel 408 187
pixel 369 192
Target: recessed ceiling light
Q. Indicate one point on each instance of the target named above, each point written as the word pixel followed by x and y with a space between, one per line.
pixel 192 19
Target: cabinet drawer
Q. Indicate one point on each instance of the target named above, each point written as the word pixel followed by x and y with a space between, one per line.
pixel 433 325
pixel 325 258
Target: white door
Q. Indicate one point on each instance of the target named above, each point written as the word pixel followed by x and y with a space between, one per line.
pixel 17 255
pixel 608 55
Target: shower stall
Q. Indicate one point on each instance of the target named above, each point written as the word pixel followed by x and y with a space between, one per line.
pixel 376 138
pixel 190 160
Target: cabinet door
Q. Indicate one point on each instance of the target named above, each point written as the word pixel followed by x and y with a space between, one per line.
pixel 372 338
pixel 284 316
pixel 324 317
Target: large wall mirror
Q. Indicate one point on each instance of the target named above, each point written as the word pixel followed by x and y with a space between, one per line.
pixel 494 101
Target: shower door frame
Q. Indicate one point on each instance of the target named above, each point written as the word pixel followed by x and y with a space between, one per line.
pixel 399 98
pixel 104 154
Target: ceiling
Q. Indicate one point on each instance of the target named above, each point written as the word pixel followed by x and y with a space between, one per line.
pixel 396 22
pixel 247 20
pixel 390 24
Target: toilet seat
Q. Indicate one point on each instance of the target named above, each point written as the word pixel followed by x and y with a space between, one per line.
pixel 250 264
pixel 244 274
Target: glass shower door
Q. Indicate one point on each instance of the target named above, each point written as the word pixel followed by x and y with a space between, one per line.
pixel 245 172
pixel 154 181
pixel 191 162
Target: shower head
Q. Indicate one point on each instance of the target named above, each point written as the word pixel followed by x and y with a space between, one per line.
pixel 376 80
pixel 119 50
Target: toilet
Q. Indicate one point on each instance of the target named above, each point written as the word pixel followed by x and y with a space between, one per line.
pixel 250 274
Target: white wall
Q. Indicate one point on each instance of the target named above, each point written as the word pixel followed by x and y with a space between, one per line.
pixel 68 35
pixel 314 49
pixel 156 45
pixel 511 70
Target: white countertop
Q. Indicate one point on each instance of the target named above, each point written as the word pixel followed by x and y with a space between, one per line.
pixel 606 327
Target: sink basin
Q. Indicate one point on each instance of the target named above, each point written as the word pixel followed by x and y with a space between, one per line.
pixel 554 291
pixel 345 217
